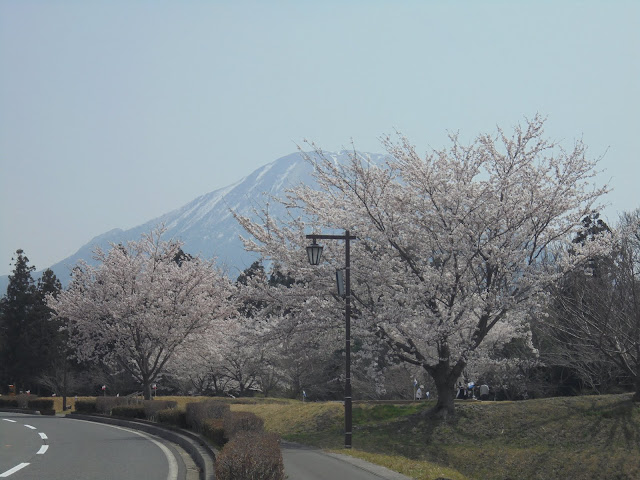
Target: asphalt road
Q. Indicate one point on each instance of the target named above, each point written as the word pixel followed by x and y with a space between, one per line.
pixel 304 463
pixel 36 447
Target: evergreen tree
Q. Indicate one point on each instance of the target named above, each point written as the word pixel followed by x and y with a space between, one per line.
pixel 49 342
pixel 30 341
pixel 16 318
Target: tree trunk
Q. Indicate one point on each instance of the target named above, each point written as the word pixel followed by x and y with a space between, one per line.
pixel 445 388
pixel 146 389
pixel 445 377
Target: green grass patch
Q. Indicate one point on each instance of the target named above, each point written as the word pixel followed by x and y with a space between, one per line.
pixel 366 413
pixel 590 438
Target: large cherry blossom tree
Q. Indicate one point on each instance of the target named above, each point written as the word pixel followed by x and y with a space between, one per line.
pixel 142 303
pixel 453 250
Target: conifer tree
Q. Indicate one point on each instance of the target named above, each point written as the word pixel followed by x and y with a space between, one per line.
pixel 51 343
pixel 16 320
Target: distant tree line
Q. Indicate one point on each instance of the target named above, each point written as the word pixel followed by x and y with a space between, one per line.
pixel 583 341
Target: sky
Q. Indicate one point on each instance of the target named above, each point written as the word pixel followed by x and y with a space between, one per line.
pixel 113 113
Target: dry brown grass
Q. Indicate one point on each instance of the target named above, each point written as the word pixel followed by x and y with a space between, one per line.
pixel 293 417
pixel 420 470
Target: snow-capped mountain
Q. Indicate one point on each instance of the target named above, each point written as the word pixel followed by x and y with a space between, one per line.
pixel 206 225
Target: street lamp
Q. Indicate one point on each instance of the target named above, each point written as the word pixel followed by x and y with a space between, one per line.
pixel 314 252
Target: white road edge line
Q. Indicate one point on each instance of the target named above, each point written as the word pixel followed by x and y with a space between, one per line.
pixel 29 426
pixel 8 420
pixel 43 449
pixel 14 469
pixel 42 435
pixel 173 464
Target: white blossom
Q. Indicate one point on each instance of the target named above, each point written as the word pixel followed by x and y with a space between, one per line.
pixel 452 248
pixel 142 303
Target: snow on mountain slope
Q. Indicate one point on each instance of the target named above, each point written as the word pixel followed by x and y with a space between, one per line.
pixel 206 225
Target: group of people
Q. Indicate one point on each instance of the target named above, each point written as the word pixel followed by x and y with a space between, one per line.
pixel 464 392
pixel 472 391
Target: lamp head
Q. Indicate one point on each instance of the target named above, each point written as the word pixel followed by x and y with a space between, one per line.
pixel 314 253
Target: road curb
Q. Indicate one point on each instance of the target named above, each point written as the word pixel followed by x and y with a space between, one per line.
pixel 26 411
pixel 203 455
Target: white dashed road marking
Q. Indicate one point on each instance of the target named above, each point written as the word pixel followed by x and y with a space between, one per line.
pixel 13 470
pixel 20 466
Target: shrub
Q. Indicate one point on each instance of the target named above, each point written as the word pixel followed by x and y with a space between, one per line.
pixel 85 406
pixel 213 430
pixel 198 412
pixel 105 405
pixel 23 400
pixel 235 422
pixel 152 407
pixel 8 403
pixel 40 404
pixel 172 416
pixel 251 456
pixel 128 411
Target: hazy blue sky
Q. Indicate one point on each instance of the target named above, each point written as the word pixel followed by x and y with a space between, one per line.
pixel 115 112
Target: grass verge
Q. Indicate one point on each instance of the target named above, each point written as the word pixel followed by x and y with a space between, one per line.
pixel 590 438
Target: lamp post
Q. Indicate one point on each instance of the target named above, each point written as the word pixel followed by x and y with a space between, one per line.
pixel 314 253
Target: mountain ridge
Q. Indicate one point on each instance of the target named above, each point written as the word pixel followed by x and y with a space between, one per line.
pixel 206 225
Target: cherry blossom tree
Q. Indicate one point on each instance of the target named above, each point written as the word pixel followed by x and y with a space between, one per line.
pixel 198 367
pixel 142 303
pixel 453 250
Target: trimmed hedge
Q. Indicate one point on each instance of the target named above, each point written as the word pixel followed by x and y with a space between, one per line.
pixel 8 403
pixel 85 406
pixel 198 412
pixel 30 402
pixel 40 404
pixel 213 430
pixel 128 411
pixel 152 407
pixel 251 456
pixel 236 422
pixel 23 400
pixel 172 416
pixel 106 404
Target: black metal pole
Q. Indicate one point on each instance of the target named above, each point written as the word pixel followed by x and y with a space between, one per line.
pixel 347 319
pixel 64 384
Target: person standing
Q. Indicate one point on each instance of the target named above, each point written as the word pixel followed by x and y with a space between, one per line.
pixel 484 392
